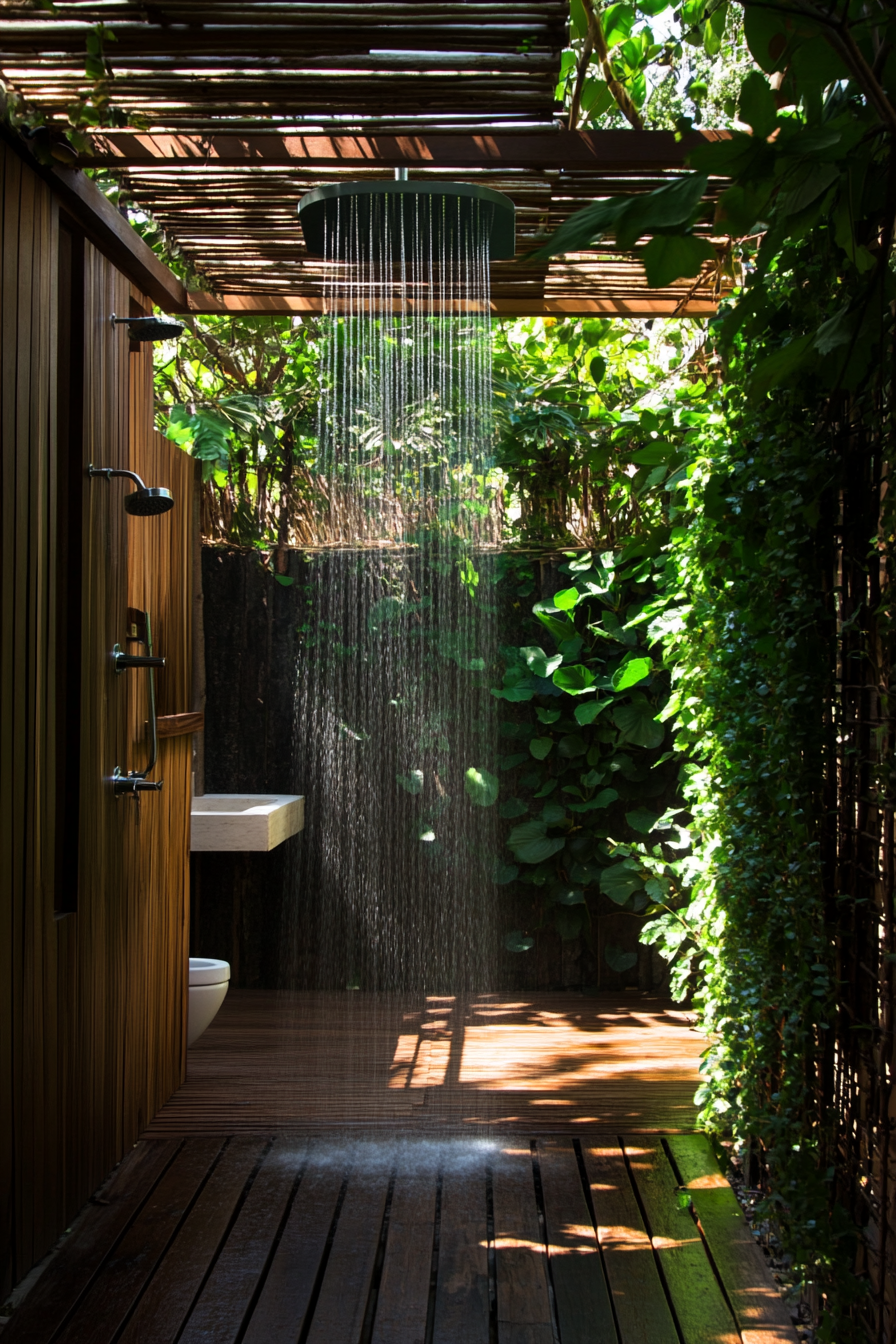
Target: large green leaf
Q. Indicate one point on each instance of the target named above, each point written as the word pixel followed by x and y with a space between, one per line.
pixel 637 724
pixel 618 960
pixel 558 623
pixel 577 680
pixel 642 819
pixel 564 894
pixel 567 598
pixel 531 844
pixel 772 370
pixel 568 921
pixel 481 787
pixel 676 257
pixel 757 104
pixel 620 883
pixel 540 663
pixel 602 799
pixel 540 747
pixel 668 209
pixel 630 673
pixel 589 711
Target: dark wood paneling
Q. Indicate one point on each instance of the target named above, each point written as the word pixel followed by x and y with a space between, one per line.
pixel 92 1018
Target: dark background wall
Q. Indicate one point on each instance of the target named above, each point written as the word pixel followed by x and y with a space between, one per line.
pixel 251 645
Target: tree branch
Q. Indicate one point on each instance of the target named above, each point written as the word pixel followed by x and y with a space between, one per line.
pixel 596 41
pixel 837 34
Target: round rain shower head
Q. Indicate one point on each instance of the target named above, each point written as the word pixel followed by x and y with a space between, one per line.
pixel 440 214
pixel 146 501
pixel 149 501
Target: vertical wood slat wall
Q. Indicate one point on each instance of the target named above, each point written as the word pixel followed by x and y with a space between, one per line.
pixel 91 1003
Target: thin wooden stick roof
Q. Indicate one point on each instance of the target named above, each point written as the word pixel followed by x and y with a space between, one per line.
pixel 237 109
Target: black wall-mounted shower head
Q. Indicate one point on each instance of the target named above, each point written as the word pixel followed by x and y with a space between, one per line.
pixel 439 215
pixel 150 328
pixel 146 501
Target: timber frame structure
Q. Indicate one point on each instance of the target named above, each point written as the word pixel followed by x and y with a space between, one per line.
pixel 227 114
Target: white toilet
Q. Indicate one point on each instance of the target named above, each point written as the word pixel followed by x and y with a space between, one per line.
pixel 208 986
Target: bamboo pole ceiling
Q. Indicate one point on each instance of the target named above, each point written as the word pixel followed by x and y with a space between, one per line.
pixel 234 110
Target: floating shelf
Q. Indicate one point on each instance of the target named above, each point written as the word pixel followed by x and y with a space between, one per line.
pixel 242 821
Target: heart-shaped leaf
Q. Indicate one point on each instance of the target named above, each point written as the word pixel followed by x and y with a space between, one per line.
pixel 630 673
pixel 620 883
pixel 481 787
pixel 618 960
pixel 577 680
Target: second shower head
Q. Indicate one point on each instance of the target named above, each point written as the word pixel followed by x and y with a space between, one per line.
pixel 146 501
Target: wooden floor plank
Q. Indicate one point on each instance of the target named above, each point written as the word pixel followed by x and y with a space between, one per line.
pixel 225 1299
pixel 403 1296
pixel 700 1307
pixel 639 1298
pixel 462 1309
pixel 531 1063
pixel 165 1305
pixel 69 1276
pixel 524 1308
pixel 339 1315
pixel 584 1310
pixel 105 1307
pixel 279 1316
pixel 761 1313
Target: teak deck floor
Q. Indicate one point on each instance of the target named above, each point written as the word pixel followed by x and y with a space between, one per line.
pixel 531 1062
pixel 510 1240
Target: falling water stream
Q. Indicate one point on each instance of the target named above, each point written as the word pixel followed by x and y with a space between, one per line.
pixel 394 734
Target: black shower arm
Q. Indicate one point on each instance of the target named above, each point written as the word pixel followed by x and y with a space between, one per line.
pixel 109 472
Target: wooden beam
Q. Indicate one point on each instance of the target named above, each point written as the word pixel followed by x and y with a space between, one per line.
pixel 650 305
pixel 116 239
pixel 107 229
pixel 598 151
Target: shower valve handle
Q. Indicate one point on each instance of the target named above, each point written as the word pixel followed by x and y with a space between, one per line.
pixel 124 660
pixel 133 784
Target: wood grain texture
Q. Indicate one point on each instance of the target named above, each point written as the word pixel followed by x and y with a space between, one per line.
pixel 282 1309
pixel 583 1300
pixel 115 1290
pixel 700 1308
pixel 223 1305
pixel 346 1285
pixel 174 725
pixel 403 1295
pixel 92 1033
pixel 461 1306
pixel 762 1315
pixel 639 1299
pixel 542 1062
pixel 165 1305
pixel 68 1278
pixel 524 1310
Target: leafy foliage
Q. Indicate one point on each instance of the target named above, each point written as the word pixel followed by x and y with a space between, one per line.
pixel 592 748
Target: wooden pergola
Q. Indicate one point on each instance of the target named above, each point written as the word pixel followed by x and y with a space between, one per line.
pixel 236 110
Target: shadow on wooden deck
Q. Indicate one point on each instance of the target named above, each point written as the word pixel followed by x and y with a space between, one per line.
pixel 534 1062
